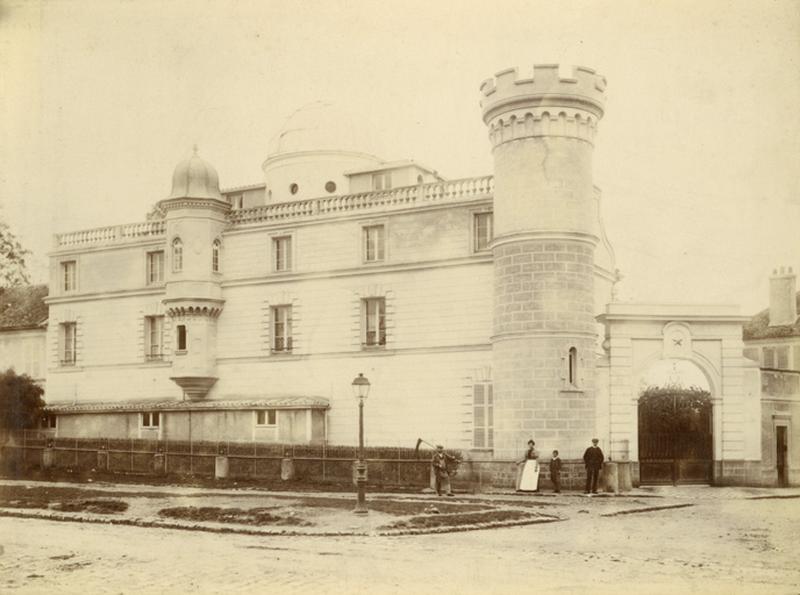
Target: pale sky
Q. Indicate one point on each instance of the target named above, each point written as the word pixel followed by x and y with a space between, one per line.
pixel 697 155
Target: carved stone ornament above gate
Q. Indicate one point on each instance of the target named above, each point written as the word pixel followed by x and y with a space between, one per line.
pixel 677 340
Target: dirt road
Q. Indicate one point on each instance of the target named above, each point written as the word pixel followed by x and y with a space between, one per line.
pixel 719 545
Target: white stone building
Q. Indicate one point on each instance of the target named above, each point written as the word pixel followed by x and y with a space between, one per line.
pixel 471 305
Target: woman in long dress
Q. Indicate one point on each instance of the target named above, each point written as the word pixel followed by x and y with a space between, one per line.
pixel 528 476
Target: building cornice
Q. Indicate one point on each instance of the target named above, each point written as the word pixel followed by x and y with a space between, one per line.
pixel 105 295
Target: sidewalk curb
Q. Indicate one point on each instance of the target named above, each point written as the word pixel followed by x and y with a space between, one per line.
pixel 647 509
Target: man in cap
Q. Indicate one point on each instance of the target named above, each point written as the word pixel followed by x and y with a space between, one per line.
pixel 593 459
pixel 439 466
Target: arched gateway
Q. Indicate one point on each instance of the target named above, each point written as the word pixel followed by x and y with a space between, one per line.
pixel 675 424
pixel 671 432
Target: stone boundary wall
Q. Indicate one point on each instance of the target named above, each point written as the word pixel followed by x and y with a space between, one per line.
pixel 253 461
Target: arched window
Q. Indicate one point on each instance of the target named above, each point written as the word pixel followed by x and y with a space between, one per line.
pixel 177 255
pixel 573 366
pixel 215 247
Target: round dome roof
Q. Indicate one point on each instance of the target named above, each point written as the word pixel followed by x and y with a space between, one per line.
pixel 195 178
pixel 322 126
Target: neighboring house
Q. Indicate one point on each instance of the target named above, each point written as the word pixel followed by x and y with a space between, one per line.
pixel 772 338
pixel 23 330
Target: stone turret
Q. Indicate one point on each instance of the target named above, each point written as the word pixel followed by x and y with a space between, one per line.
pixel 542 131
pixel 196 215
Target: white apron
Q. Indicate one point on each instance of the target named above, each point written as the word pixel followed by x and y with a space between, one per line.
pixel 529 478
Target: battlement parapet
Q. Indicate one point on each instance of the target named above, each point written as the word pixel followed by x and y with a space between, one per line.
pixel 584 89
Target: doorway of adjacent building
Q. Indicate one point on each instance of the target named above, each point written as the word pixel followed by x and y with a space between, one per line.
pixel 675 435
pixel 782 444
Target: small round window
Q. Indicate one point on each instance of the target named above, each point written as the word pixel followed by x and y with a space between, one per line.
pixel 294 188
pixel 330 186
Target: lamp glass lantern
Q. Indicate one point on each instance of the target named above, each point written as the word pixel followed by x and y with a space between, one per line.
pixel 360 386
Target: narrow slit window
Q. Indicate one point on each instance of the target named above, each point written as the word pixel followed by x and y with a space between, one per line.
pixel 573 366
pixel 181 337
pixel 215 250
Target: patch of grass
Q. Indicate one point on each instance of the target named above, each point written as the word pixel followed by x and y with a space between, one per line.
pixel 459 519
pixel 95 506
pixel 23 503
pixel 66 500
pixel 251 516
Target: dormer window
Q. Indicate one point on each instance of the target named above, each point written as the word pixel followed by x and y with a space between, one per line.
pixel 177 255
pixel 382 181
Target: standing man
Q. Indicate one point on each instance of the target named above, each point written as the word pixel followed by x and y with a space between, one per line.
pixel 555 472
pixel 593 459
pixel 439 466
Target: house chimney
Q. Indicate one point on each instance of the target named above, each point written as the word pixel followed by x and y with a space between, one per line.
pixel 782 300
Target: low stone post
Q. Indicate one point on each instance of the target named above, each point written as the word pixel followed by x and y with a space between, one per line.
pixel 221 464
pixel 159 463
pixel 49 456
pixel 625 481
pixel 102 460
pixel 287 469
pixel 609 477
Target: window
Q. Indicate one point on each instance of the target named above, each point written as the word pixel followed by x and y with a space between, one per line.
pixel 293 188
pixel 215 248
pixel 181 337
pixel 48 422
pixel 374 322
pixel 151 419
pixel 482 231
pixel 282 251
pixel 483 416
pixel 572 365
pixel 382 181
pixel 282 328
pixel 782 357
pixel 155 267
pixel 374 243
pixel 266 417
pixel 177 255
pixel 330 186
pixel 769 357
pixel 68 275
pixel 69 343
pixel 153 340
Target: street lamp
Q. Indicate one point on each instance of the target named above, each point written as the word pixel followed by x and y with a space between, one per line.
pixel 360 387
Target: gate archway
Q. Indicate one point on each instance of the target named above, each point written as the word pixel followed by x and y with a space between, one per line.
pixel 675 435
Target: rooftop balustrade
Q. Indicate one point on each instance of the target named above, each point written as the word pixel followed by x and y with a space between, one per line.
pixel 112 234
pixel 381 200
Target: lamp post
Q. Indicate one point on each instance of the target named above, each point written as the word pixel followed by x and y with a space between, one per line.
pixel 360 387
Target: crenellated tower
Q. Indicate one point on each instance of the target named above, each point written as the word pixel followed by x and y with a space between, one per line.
pixel 542 131
pixel 196 216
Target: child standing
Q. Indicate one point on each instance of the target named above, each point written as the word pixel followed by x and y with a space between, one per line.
pixel 555 472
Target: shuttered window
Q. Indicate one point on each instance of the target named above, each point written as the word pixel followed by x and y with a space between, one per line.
pixel 483 415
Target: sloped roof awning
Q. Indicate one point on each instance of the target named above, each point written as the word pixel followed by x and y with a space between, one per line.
pixel 175 405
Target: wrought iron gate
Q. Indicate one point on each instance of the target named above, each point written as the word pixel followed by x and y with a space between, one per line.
pixel 675 437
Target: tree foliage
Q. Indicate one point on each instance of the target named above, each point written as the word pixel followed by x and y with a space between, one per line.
pixel 21 401
pixel 13 270
pixel 673 408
